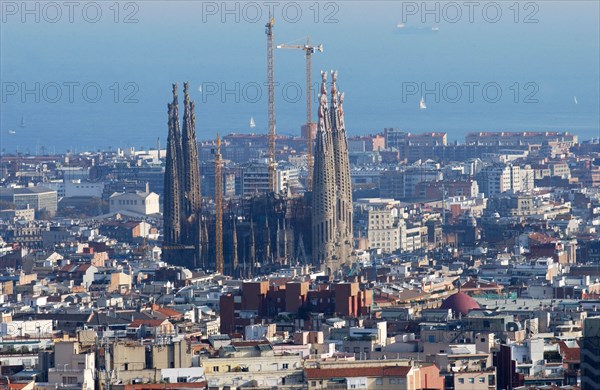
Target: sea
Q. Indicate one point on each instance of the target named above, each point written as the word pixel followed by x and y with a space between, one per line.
pixel 97 75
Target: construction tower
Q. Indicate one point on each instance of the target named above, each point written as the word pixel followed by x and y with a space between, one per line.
pixel 218 209
pixel 308 50
pixel 271 95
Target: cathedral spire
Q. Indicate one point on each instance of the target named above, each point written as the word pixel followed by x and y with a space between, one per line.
pixel 268 256
pixel 344 211
pixel 252 249
pixel 191 174
pixel 205 244
pixel 234 257
pixel 172 196
pixel 334 92
pixel 324 192
pixel 284 243
pixel 181 208
pixel 332 189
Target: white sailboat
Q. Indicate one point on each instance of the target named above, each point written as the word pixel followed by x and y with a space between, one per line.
pixel 22 122
pixel 252 123
pixel 575 100
pixel 11 131
pixel 422 105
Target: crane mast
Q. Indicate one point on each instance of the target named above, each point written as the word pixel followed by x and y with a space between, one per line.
pixel 271 93
pixel 308 50
pixel 309 152
pixel 219 209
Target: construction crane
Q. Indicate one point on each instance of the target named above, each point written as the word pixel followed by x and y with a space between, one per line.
pixel 308 50
pixel 218 208
pixel 271 93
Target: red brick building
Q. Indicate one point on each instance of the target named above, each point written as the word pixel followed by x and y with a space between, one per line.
pixel 258 301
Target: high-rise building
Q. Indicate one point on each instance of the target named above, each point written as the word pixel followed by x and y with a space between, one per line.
pixel 590 354
pixel 332 189
pixel 181 210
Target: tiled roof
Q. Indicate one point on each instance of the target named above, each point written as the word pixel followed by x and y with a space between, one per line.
pixel 168 312
pixel 70 268
pixel 150 322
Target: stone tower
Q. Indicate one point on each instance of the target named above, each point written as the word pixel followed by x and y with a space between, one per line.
pixel 344 210
pixel 181 208
pixel 191 178
pixel 332 189
pixel 324 191
pixel 172 193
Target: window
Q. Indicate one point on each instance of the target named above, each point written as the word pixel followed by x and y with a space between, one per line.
pixel 379 381
pixel 461 380
pixel 481 380
pixel 215 368
pixel 471 380
pixel 69 380
pixel 285 366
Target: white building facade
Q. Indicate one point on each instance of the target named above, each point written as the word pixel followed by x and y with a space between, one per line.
pixel 145 203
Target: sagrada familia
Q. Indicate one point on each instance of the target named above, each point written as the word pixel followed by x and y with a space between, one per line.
pixel 266 232
pixel 332 237
pixel 182 208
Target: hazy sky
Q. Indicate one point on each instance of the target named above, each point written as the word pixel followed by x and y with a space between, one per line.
pixel 543 58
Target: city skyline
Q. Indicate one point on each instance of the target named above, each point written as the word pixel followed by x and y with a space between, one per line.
pixel 177 211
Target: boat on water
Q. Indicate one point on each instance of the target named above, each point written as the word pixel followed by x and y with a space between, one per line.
pixel 11 131
pixel 22 121
pixel 575 100
pixel 422 104
pixel 252 123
